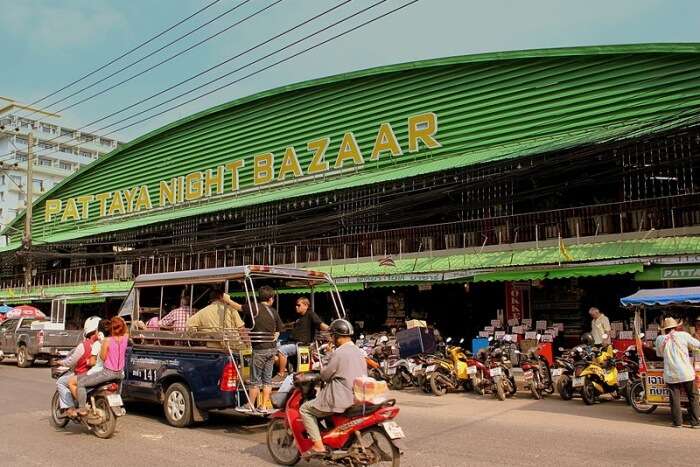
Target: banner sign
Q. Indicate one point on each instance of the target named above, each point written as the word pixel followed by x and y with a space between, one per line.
pixel 267 169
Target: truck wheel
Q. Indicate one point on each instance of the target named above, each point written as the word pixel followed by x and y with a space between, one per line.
pixel 23 359
pixel 178 405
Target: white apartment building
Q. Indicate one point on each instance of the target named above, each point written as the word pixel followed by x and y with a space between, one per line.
pixel 58 152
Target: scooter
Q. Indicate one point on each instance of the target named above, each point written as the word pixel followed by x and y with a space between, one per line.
pixel 533 367
pixel 599 377
pixel 362 435
pixel 502 382
pixel 105 406
pixel 451 372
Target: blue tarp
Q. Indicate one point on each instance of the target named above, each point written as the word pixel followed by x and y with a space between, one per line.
pixel 677 295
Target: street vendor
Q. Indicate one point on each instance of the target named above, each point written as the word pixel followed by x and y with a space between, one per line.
pixel 600 326
pixel 674 345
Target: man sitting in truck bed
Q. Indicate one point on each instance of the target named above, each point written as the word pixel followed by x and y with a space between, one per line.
pixel 216 317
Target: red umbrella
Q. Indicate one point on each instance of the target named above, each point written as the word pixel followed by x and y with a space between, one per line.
pixel 25 311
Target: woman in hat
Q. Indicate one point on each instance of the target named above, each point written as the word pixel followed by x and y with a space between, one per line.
pixel 674 346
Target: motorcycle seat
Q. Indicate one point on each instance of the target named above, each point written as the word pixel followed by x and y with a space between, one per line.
pixel 112 385
pixel 367 409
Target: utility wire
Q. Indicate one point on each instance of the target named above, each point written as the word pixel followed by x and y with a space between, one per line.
pixel 114 60
pixel 238 69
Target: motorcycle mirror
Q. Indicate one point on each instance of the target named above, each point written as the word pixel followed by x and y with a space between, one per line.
pixel 461 341
pixel 490 338
pixel 561 349
pixel 579 349
pixel 362 336
pixel 641 336
pixel 449 339
pixel 539 336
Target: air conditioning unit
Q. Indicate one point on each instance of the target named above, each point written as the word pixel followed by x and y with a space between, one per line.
pixel 123 272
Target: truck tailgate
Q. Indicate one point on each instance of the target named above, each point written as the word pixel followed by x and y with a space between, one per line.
pixel 62 339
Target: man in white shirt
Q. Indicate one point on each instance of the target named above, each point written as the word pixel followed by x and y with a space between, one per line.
pixel 600 327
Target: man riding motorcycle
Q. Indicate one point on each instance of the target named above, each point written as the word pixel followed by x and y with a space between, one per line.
pixel 345 364
pixel 78 360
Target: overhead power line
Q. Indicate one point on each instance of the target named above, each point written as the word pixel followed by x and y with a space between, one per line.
pixel 128 52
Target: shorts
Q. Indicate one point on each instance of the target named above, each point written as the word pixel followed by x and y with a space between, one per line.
pixel 290 349
pixel 263 363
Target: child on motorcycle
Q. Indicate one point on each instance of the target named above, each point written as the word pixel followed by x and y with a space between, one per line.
pixel 77 360
pixel 113 354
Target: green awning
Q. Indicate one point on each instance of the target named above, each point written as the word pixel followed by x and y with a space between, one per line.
pixel 42 293
pixel 323 288
pixel 676 272
pixel 559 273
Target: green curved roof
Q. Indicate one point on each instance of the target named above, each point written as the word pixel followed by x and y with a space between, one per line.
pixel 490 106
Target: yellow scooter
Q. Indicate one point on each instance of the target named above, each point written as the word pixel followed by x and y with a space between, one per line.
pixel 599 377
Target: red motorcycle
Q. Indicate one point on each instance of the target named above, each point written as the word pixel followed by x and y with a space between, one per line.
pixel 362 435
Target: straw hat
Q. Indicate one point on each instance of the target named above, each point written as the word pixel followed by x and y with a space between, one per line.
pixel 669 323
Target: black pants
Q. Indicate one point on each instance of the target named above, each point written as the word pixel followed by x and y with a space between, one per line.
pixel 693 410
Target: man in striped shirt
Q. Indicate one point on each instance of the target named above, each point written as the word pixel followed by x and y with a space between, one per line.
pixel 177 318
pixel 679 371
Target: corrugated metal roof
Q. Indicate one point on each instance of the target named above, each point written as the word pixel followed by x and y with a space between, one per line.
pixel 490 106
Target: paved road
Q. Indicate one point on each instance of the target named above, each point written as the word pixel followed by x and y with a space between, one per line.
pixel 454 430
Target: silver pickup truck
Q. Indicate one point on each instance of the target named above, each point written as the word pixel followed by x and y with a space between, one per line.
pixel 29 339
pixel 28 342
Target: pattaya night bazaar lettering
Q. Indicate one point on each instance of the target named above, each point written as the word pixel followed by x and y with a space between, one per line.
pixel 422 129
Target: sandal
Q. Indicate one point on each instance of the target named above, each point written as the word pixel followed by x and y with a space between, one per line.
pixel 311 454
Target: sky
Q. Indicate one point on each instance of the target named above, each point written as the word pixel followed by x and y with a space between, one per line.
pixel 48 44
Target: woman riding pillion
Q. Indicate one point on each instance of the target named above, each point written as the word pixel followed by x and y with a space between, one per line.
pixel 113 354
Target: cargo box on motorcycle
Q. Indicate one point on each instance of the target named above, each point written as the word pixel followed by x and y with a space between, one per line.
pixel 415 341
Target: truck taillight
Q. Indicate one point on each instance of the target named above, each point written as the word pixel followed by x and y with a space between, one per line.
pixel 229 378
pixel 40 337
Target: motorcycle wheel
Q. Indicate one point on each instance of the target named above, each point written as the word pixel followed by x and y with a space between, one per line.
pixel 56 419
pixel 636 393
pixel 588 392
pixel 566 392
pixel 105 429
pixel 383 447
pixel 500 392
pixel 438 388
pixel 535 387
pixel 546 376
pixel 478 383
pixel 396 382
pixel 280 443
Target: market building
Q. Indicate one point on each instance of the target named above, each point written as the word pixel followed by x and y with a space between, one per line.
pixel 535 182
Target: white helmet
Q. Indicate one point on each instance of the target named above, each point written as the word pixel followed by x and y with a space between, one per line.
pixel 91 325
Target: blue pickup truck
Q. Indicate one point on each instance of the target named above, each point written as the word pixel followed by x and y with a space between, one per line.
pixel 193 373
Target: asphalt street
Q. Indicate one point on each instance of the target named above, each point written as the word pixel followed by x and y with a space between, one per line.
pixel 455 430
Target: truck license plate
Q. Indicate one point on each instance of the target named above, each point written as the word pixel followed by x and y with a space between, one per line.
pixel 577 382
pixel 393 430
pixel 495 371
pixel 115 400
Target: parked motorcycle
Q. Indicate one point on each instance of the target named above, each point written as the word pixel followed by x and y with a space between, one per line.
pixel 362 435
pixel 535 371
pixel 407 372
pixel 599 377
pixel 104 407
pixel 503 383
pixel 452 371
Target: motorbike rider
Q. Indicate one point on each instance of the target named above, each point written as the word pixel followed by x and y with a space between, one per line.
pixel 345 364
pixel 78 360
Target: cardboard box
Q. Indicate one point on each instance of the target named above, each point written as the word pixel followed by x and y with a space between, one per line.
pixel 415 341
pixel 415 323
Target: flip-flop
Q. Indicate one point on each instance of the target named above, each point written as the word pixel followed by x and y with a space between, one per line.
pixel 311 454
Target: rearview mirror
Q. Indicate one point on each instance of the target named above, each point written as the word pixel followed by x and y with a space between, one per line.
pixel 561 349
pixel 641 336
pixel 448 340
pixel 362 336
pixel 490 338
pixel 461 341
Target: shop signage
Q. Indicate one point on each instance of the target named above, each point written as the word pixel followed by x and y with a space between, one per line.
pixel 680 273
pixel 267 168
pixel 515 300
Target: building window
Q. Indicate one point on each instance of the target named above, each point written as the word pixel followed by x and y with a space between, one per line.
pixel 45 161
pixel 66 132
pixel 106 142
pixel 21 157
pixel 2 179
pixel 2 196
pixel 47 129
pixel 46 146
pixel 86 153
pixel 65 149
pixel 65 165
pixel 21 196
pixel 17 179
pixel 86 138
pixel 38 185
pixel 20 140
